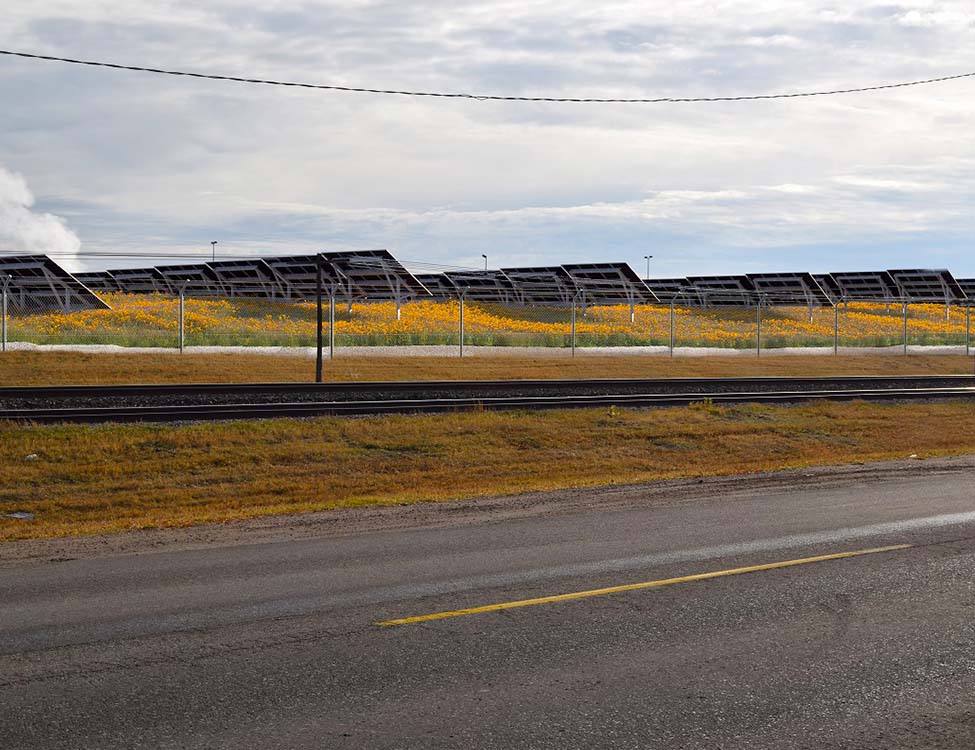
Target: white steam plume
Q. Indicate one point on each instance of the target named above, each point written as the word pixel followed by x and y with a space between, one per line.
pixel 25 231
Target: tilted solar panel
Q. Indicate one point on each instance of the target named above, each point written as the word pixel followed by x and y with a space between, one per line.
pixel 927 285
pixel 374 275
pixel 98 281
pixel 438 285
pixel 250 277
pixel 35 283
pixel 483 286
pixel 678 291
pixel 195 278
pixel 140 281
pixel 724 291
pixel 968 287
pixel 866 286
pixel 541 285
pixel 789 289
pixel 609 283
pixel 829 285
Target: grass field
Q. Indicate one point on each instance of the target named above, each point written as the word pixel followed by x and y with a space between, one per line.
pixel 109 478
pixel 152 320
pixel 57 368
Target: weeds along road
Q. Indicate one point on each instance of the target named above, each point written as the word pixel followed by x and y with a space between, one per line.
pixel 276 644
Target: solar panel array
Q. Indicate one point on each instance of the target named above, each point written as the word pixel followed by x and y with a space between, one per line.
pixel 35 283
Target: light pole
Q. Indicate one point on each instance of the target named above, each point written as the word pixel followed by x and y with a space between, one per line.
pixel 213 250
pixel 647 259
pixel 485 260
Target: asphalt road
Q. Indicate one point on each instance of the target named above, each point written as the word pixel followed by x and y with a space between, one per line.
pixel 276 644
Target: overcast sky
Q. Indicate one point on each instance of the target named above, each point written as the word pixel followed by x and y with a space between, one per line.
pixel 131 162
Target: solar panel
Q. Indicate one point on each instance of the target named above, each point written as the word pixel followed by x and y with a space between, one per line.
pixel 483 286
pixel 968 287
pixel 609 283
pixel 437 284
pixel 829 285
pixel 374 275
pixel 541 285
pixel 35 283
pixel 789 289
pixel 866 286
pixel 140 280
pixel 724 291
pixel 250 277
pixel 300 273
pixel 679 291
pixel 927 285
pixel 98 281
pixel 195 278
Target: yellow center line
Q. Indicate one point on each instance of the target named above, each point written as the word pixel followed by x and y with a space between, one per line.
pixel 639 586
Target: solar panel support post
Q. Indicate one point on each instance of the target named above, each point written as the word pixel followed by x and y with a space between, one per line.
pixel 671 328
pixel 632 311
pixel 318 305
pixel 331 326
pixel 461 326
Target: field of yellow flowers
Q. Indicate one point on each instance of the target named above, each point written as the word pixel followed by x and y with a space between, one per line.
pixel 152 320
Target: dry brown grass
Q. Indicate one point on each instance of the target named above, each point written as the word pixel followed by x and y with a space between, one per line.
pixel 108 478
pixel 51 368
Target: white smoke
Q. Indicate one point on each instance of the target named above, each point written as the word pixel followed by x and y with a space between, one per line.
pixel 25 231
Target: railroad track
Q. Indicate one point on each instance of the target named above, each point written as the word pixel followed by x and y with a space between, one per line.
pixel 157 403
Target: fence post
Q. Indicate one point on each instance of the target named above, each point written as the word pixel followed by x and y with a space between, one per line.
pixel 182 318
pixel 3 315
pixel 671 327
pixel 968 329
pixel 331 326
pixel 836 327
pixel 758 328
pixel 318 305
pixel 572 337
pixel 462 324
pixel 905 328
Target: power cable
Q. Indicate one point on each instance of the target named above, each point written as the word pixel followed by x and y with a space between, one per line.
pixel 487 97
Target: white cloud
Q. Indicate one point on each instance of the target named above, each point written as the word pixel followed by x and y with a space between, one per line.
pixel 25 231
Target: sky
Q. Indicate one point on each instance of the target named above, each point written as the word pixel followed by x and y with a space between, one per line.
pixel 96 162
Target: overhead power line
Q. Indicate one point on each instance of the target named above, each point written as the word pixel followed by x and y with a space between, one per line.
pixel 488 97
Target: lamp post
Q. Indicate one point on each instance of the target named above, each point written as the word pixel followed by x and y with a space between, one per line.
pixel 647 259
pixel 213 250
pixel 485 260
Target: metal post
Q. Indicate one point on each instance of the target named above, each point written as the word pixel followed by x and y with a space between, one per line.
pixel 836 327
pixel 3 315
pixel 462 324
pixel 905 328
pixel 968 329
pixel 319 364
pixel 632 311
pixel 671 328
pixel 758 329
pixel 572 339
pixel 331 326
pixel 182 318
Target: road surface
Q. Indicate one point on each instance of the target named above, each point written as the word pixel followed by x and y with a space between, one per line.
pixel 276 644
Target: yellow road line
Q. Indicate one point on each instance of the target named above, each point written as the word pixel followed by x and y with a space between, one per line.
pixel 639 586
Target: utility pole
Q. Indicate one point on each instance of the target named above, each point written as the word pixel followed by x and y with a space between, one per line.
pixel 485 260
pixel 213 250
pixel 647 259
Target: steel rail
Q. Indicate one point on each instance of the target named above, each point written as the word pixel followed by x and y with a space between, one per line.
pixel 717 383
pixel 434 405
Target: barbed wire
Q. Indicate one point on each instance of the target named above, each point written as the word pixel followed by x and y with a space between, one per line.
pixel 486 97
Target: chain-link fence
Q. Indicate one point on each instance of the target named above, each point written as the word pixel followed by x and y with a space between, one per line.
pixel 456 326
